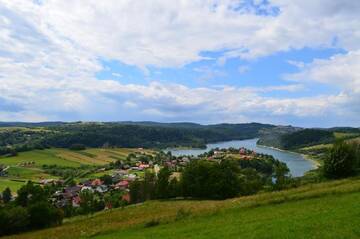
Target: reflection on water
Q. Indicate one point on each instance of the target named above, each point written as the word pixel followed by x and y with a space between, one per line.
pixel 296 162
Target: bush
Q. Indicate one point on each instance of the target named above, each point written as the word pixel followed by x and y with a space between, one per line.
pixel 340 161
pixel 42 215
pixel 13 220
pixel 29 194
pixel 206 179
pixel 6 195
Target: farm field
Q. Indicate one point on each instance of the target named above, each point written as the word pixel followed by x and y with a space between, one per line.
pixel 28 165
pixel 324 210
pixel 13 185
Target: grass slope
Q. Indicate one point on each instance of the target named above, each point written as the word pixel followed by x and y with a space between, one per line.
pixel 325 210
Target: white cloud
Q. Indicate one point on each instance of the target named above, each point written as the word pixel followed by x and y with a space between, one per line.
pixel 340 70
pixel 49 54
pixel 167 33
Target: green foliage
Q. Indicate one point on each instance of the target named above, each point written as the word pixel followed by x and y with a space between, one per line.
pixel 324 210
pixel 281 176
pixel 206 179
pixel 107 179
pixel 114 199
pixel 294 138
pixel 68 172
pixel 341 160
pixel 30 210
pixel 29 194
pixel 42 214
pixel 174 189
pixel 142 190
pixel 6 195
pixel 306 137
pixel 87 202
pixel 13 220
pixel 136 191
pixel 147 135
pixel 162 183
pixel 250 181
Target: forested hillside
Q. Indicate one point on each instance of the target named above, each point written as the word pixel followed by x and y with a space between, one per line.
pixel 292 138
pixel 23 136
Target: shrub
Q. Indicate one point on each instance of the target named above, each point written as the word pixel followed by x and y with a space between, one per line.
pixel 6 195
pixel 340 161
pixel 42 215
pixel 13 220
pixel 206 179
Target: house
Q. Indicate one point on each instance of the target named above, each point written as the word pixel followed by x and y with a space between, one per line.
pixel 87 188
pixel 101 189
pixel 143 166
pixel 96 182
pixel 72 191
pixel 47 181
pixel 76 201
pixel 124 184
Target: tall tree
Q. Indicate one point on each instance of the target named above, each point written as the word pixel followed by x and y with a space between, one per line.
pixel 6 195
pixel 340 161
pixel 162 184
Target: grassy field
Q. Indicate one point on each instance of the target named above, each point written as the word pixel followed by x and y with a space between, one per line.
pixel 61 157
pixel 64 157
pixel 13 185
pixel 40 157
pixel 325 210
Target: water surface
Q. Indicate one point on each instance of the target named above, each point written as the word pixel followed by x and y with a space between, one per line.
pixel 297 164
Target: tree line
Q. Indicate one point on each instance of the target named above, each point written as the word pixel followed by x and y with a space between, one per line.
pixel 204 179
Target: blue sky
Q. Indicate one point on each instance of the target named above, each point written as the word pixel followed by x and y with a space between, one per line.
pixel 201 61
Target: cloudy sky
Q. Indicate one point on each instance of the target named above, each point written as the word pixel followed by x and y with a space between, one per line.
pixel 208 61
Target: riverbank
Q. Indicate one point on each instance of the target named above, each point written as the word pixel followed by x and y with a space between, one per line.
pixel 297 164
pixel 315 162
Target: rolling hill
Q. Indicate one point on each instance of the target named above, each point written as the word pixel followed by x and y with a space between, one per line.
pixel 324 210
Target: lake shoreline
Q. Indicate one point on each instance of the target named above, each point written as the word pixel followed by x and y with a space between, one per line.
pixel 298 163
pixel 305 156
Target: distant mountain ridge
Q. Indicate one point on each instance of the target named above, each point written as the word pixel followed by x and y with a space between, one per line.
pixel 19 136
pixel 23 136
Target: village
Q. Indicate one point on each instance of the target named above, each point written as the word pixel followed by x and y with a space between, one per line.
pixel 116 178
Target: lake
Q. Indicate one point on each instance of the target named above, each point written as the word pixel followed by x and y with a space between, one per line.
pixel 297 164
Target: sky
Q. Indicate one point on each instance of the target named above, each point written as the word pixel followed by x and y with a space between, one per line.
pixel 207 61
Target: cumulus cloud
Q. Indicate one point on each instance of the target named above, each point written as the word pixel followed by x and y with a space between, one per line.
pixel 341 70
pixel 50 52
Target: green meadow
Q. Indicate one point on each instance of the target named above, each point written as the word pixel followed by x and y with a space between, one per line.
pixel 324 210
pixel 62 157
pixel 13 185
